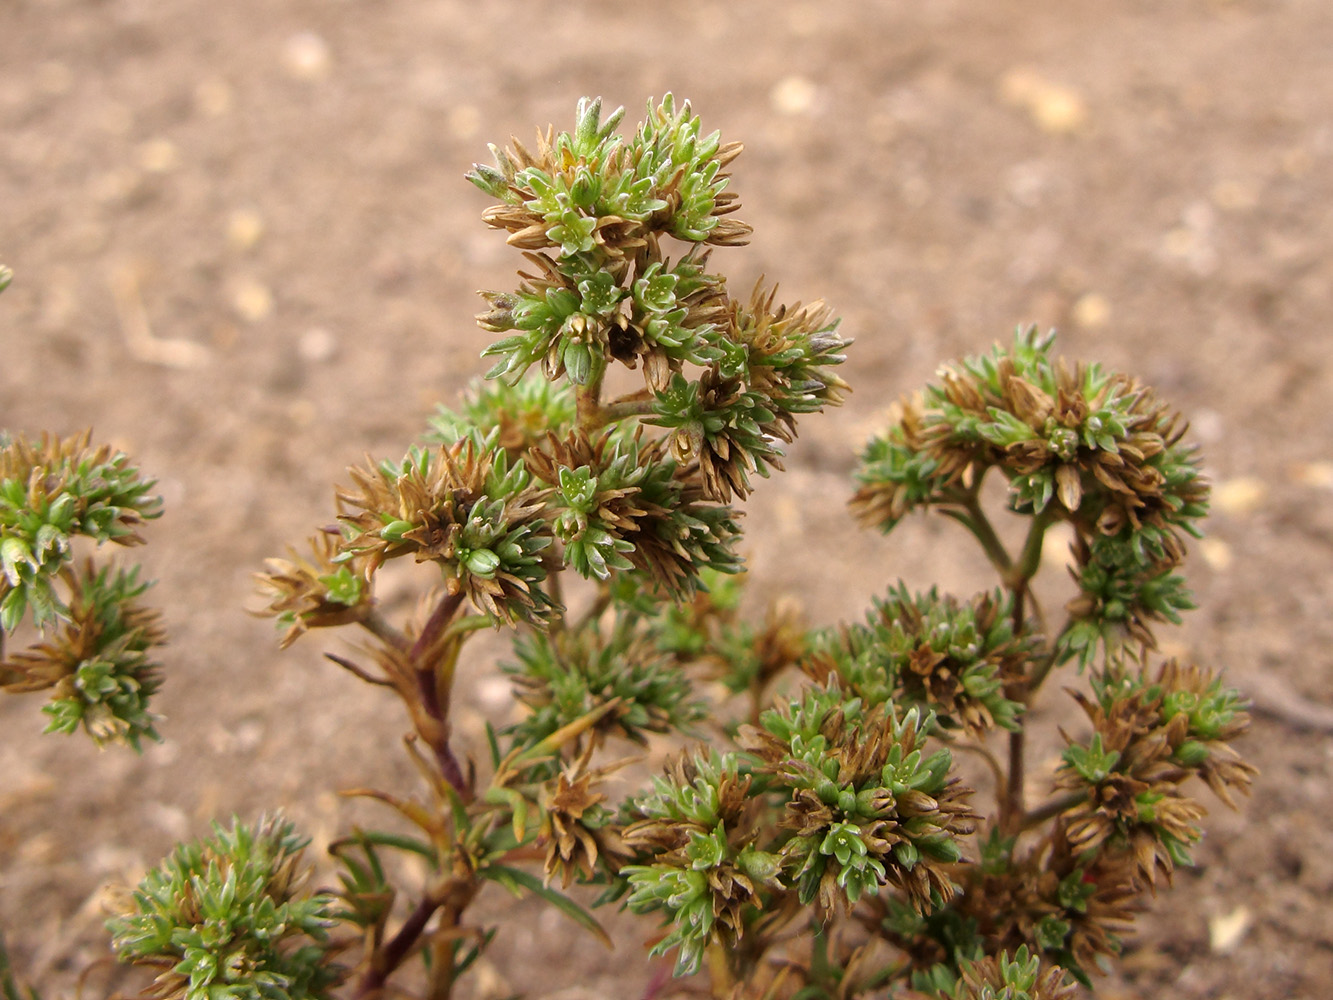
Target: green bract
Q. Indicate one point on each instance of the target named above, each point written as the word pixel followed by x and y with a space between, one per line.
pixel 564 676
pixel 227 919
pixel 51 492
pixel 932 650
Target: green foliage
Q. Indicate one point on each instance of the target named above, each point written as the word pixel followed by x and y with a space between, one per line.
pixel 823 830
pixel 522 414
pixel 226 917
pixel 50 493
pixel 866 803
pixel 107 676
pixel 97 663
pixel 931 650
pixel 563 676
pixel 707 871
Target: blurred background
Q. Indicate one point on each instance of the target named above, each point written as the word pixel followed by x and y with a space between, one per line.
pixel 244 251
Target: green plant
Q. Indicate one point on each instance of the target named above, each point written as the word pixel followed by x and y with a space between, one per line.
pixel 825 843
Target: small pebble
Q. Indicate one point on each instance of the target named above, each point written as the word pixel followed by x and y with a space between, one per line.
pixel 1216 553
pixel 317 345
pixel 1316 474
pixel 1225 930
pixel 1092 311
pixel 245 227
pixel 1242 495
pixel 1234 196
pixel 793 95
pixel 464 121
pixel 55 78
pixel 1054 107
pixel 213 97
pixel 306 56
pixel 252 300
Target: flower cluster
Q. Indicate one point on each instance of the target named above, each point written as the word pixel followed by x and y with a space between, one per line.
pixel 1069 909
pixel 591 209
pixel 1150 735
pixel 564 675
pixel 707 871
pixel 465 508
pixel 620 503
pixel 50 492
pixel 227 917
pixel 578 829
pixel 520 414
pixel 735 417
pixel 928 649
pixel 1080 444
pixel 866 805
pixel 97 666
pixel 315 592
pixel 1096 442
pixel 1000 977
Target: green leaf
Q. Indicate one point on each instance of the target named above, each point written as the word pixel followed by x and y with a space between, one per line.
pixel 511 877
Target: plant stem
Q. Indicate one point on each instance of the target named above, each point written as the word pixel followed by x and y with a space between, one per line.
pixel 555 591
pixel 1011 805
pixel 1017 580
pixel 430 680
pixel 1029 558
pixel 719 971
pixel 997 773
pixel 1043 668
pixel 386 959
pixel 587 399
pixel 1050 809
pixel 630 406
pixel 974 519
pixel 452 899
pixel 377 625
pixel 435 625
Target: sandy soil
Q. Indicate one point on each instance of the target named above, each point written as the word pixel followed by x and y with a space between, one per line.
pixel 245 252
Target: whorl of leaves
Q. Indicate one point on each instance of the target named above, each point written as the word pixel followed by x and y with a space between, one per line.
pixel 1150 735
pixel 704 869
pixel 465 508
pixel 50 492
pixel 227 918
pixel 98 665
pixel 564 675
pixel 866 805
pixel 950 657
pixel 1096 444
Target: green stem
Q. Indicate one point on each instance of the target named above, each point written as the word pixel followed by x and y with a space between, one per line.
pixel 1029 558
pixel 468 623
pixel 1047 662
pixel 628 407
pixel 378 626
pixel 588 400
pixel 1017 580
pixel 974 519
pixel 1049 810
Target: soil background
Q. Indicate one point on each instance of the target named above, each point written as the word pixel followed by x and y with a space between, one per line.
pixel 245 252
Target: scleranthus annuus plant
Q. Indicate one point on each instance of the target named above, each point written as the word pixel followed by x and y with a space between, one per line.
pixel 825 842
